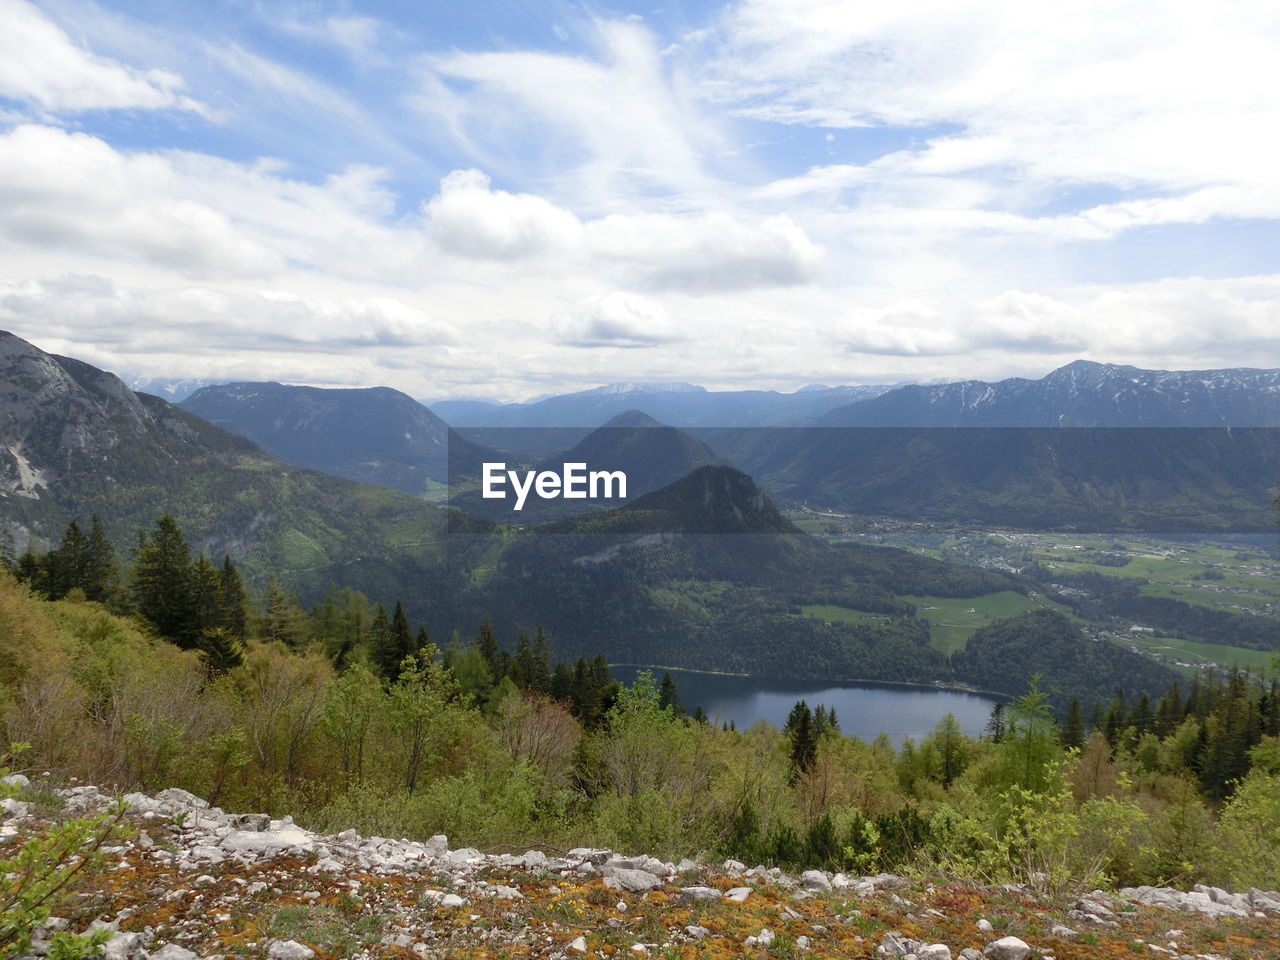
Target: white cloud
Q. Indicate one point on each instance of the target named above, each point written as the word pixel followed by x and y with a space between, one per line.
pixel 70 190
pixel 618 319
pixel 1168 100
pixel 203 321
pixel 195 214
pixel 40 65
pixel 469 218
pixel 1219 321
pixel 614 126
pixel 700 253
pixel 714 252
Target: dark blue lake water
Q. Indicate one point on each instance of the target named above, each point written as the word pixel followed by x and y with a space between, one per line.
pixel 864 710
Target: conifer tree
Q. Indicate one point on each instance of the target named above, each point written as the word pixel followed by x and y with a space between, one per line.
pixel 1073 727
pixel 393 645
pixel 282 620
pixel 161 586
pixel 804 741
pixel 99 567
pixel 234 615
pixel 379 632
pixel 668 696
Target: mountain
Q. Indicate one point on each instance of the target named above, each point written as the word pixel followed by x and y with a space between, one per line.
pixel 1081 394
pixel 374 435
pixel 1166 480
pixel 650 454
pixel 74 441
pixel 1001 656
pixel 707 574
pixel 704 573
pixel 709 500
pixel 175 390
pixel 680 405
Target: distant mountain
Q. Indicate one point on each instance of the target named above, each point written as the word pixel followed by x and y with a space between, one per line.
pixel 711 499
pixel 707 574
pixel 375 435
pixel 175 390
pixel 650 454
pixel 1081 394
pixel 680 405
pixel 1155 479
pixel 74 441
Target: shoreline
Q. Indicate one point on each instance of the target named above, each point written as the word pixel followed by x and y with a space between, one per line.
pixel 836 681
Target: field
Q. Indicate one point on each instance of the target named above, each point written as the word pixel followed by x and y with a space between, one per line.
pixel 952 621
pixel 1239 575
pixel 1203 654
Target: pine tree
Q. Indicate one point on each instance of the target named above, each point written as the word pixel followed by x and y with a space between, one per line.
pixel 64 565
pixel 668 696
pixel 8 549
pixel 99 567
pixel 161 587
pixel 282 620
pixel 1073 727
pixel 392 646
pixel 379 632
pixel 234 615
pixel 488 645
pixel 206 603
pixel 804 741
pixel 996 728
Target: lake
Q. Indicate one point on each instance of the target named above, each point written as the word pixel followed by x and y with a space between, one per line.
pixel 863 709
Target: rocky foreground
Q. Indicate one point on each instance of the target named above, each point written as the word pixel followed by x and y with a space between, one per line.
pixel 194 881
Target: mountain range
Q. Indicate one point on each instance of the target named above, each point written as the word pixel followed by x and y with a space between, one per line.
pixel 1080 394
pixel 680 405
pixel 374 434
pixel 719 588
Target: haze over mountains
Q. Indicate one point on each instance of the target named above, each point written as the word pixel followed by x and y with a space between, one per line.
pixel 677 404
pixel 894 454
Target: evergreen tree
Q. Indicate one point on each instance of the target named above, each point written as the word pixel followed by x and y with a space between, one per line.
pixel 493 654
pixel 995 729
pixel 64 566
pixel 540 673
pixel 161 582
pixel 393 645
pixel 206 603
pixel 234 613
pixel 379 631
pixel 804 740
pixel 1073 727
pixel 99 567
pixel 282 620
pixel 668 696
pixel 8 549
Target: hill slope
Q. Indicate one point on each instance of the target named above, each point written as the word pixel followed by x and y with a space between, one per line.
pixel 374 435
pixel 76 441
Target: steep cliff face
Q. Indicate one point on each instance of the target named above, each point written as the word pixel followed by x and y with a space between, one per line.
pixel 60 417
pixel 75 441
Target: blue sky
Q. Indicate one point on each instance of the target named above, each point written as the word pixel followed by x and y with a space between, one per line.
pixel 509 198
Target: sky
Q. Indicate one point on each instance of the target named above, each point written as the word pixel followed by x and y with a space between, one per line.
pixel 508 198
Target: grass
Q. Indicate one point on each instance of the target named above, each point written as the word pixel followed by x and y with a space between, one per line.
pixel 1205 653
pixel 952 621
pixel 833 614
